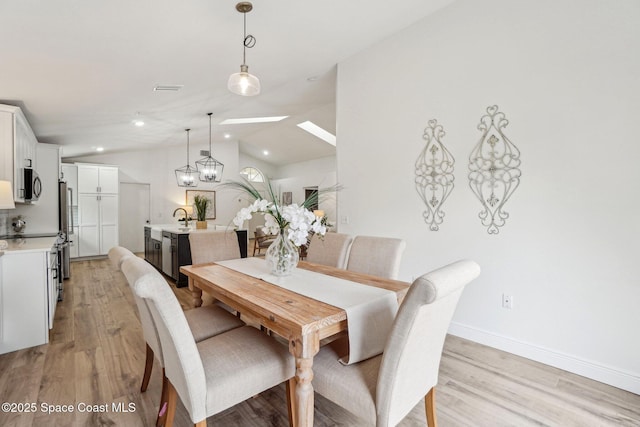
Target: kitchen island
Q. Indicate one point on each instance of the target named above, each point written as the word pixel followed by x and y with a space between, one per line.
pixel 167 248
pixel 28 292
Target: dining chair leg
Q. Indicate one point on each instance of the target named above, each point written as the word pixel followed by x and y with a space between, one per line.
pixel 162 409
pixel 430 406
pixel 148 365
pixel 172 400
pixel 291 390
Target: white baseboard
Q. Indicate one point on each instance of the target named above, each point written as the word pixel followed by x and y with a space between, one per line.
pixel 605 374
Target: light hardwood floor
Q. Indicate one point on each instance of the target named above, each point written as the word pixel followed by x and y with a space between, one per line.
pixel 96 357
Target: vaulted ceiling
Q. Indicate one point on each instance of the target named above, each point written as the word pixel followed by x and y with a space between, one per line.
pixel 84 70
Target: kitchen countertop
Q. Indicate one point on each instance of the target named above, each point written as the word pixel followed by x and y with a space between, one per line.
pixel 34 244
pixel 179 229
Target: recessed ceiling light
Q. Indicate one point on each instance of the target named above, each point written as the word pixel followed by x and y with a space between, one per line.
pixel 99 149
pixel 265 152
pixel 138 123
pixel 317 131
pixel 252 120
pixel 313 78
pixel 227 135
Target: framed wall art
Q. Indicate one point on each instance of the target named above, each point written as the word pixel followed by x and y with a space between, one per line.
pixel 494 169
pixel 211 195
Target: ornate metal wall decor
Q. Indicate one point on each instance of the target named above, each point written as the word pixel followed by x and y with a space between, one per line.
pixel 434 174
pixel 494 172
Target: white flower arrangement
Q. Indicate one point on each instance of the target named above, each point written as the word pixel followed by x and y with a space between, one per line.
pixel 297 220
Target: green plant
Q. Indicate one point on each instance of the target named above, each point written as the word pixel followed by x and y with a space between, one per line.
pixel 201 204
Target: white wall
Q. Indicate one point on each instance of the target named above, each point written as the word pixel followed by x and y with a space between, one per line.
pixel 157 166
pixel 246 161
pixel 319 173
pixel 566 75
pixel 295 178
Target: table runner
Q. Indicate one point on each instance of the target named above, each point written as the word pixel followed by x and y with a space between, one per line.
pixel 370 310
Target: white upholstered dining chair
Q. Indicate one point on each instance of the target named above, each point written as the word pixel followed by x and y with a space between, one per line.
pixel 330 249
pixel 217 373
pixel 378 256
pixel 117 255
pixel 207 247
pixel 204 322
pixel 212 246
pixel 385 388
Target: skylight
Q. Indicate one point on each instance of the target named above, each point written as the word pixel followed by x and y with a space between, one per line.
pixel 252 120
pixel 317 131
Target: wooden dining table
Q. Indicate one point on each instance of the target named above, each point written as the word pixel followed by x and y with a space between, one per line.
pixel 301 320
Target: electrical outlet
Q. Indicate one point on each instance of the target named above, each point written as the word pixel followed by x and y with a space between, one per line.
pixel 507 301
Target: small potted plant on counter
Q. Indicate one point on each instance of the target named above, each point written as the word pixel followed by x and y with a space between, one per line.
pixel 201 204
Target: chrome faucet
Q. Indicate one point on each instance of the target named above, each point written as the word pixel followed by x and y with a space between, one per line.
pixel 186 216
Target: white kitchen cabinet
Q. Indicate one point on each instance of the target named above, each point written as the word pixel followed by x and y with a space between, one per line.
pixel 17 148
pixel 97 209
pixel 52 285
pixel 25 300
pixel 1 299
pixel 108 222
pixel 97 223
pixel 97 179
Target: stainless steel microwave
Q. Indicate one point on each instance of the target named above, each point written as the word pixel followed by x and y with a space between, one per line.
pixel 32 185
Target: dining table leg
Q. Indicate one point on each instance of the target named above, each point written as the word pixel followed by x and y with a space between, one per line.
pixel 196 294
pixel 303 348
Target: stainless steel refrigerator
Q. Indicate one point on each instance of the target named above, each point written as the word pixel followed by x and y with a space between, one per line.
pixel 66 227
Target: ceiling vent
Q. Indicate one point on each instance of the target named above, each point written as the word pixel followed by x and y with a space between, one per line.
pixel 170 88
pixel 204 152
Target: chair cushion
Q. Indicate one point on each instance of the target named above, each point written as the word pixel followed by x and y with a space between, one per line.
pixel 351 386
pixel 241 363
pixel 208 321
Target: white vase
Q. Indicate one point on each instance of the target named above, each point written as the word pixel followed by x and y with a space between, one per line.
pixel 282 255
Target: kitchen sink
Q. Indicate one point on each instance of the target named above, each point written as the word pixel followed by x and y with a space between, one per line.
pixel 156 233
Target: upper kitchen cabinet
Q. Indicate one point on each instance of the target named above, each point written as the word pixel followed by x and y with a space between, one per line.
pixel 97 179
pixel 17 149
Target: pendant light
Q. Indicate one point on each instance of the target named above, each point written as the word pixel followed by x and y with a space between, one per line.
pixel 210 169
pixel 186 175
pixel 243 83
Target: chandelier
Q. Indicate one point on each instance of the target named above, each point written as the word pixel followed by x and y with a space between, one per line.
pixel 210 169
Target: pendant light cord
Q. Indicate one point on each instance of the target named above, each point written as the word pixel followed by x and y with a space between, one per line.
pixel 187 146
pixel 244 40
pixel 248 42
pixel 209 114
